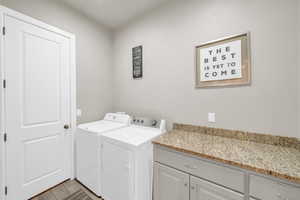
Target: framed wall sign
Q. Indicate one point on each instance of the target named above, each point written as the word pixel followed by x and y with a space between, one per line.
pixel 224 62
pixel 137 62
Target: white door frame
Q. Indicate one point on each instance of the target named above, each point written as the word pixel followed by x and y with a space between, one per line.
pixel 6 11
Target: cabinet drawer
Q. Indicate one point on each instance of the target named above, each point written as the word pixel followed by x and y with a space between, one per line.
pixel 201 189
pixel 266 189
pixel 230 178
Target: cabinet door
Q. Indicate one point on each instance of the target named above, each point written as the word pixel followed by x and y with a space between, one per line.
pixel 170 184
pixel 203 190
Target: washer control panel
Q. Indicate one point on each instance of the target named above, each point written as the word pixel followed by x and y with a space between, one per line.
pixel 117 117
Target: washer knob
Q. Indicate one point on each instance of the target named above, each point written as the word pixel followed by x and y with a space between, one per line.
pixel 154 123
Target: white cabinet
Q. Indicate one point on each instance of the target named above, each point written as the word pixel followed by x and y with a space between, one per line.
pixel 202 190
pixel 265 189
pixel 231 178
pixel 192 178
pixel 170 184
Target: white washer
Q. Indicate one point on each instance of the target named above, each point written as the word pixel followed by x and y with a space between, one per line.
pixel 88 148
pixel 127 160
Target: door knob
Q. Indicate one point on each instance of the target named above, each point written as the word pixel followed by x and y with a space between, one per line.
pixel 66 126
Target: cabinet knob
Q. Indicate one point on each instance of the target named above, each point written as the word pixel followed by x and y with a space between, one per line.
pixel 185 184
pixel 66 126
pixel 192 187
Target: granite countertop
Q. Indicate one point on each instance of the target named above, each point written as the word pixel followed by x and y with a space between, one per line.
pixel 270 155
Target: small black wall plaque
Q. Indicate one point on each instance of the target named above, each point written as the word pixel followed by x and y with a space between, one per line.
pixel 137 62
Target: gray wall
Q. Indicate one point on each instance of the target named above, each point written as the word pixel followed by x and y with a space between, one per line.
pixel 298 25
pixel 94 49
pixel 169 35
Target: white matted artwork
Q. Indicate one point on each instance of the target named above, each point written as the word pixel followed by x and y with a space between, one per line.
pixel 223 62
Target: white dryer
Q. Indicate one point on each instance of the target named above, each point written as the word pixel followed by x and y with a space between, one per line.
pixel 127 160
pixel 88 148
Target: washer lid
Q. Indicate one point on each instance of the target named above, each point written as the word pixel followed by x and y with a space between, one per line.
pixel 101 126
pixel 133 135
pixel 111 121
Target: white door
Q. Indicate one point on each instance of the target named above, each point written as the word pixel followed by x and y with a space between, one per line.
pixel 170 184
pixel 117 172
pixel 201 189
pixel 37 99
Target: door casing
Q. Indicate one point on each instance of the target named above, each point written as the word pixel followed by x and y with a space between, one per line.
pixel 9 12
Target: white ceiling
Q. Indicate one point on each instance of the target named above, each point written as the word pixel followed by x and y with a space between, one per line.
pixel 113 13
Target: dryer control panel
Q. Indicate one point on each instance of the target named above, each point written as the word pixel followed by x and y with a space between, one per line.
pixel 148 122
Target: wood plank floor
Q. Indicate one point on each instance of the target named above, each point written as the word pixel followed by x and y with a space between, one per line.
pixel 64 190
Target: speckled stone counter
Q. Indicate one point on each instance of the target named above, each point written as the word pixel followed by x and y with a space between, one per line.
pixel 271 155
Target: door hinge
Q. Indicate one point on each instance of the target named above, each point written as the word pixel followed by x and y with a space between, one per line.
pixel 3 30
pixel 5 137
pixel 4 83
pixel 5 190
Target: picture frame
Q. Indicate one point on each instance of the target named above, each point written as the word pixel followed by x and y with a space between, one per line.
pixel 137 62
pixel 212 70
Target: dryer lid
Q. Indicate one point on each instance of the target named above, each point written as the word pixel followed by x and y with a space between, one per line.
pixel 133 135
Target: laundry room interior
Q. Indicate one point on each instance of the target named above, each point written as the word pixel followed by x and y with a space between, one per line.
pixel 150 100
